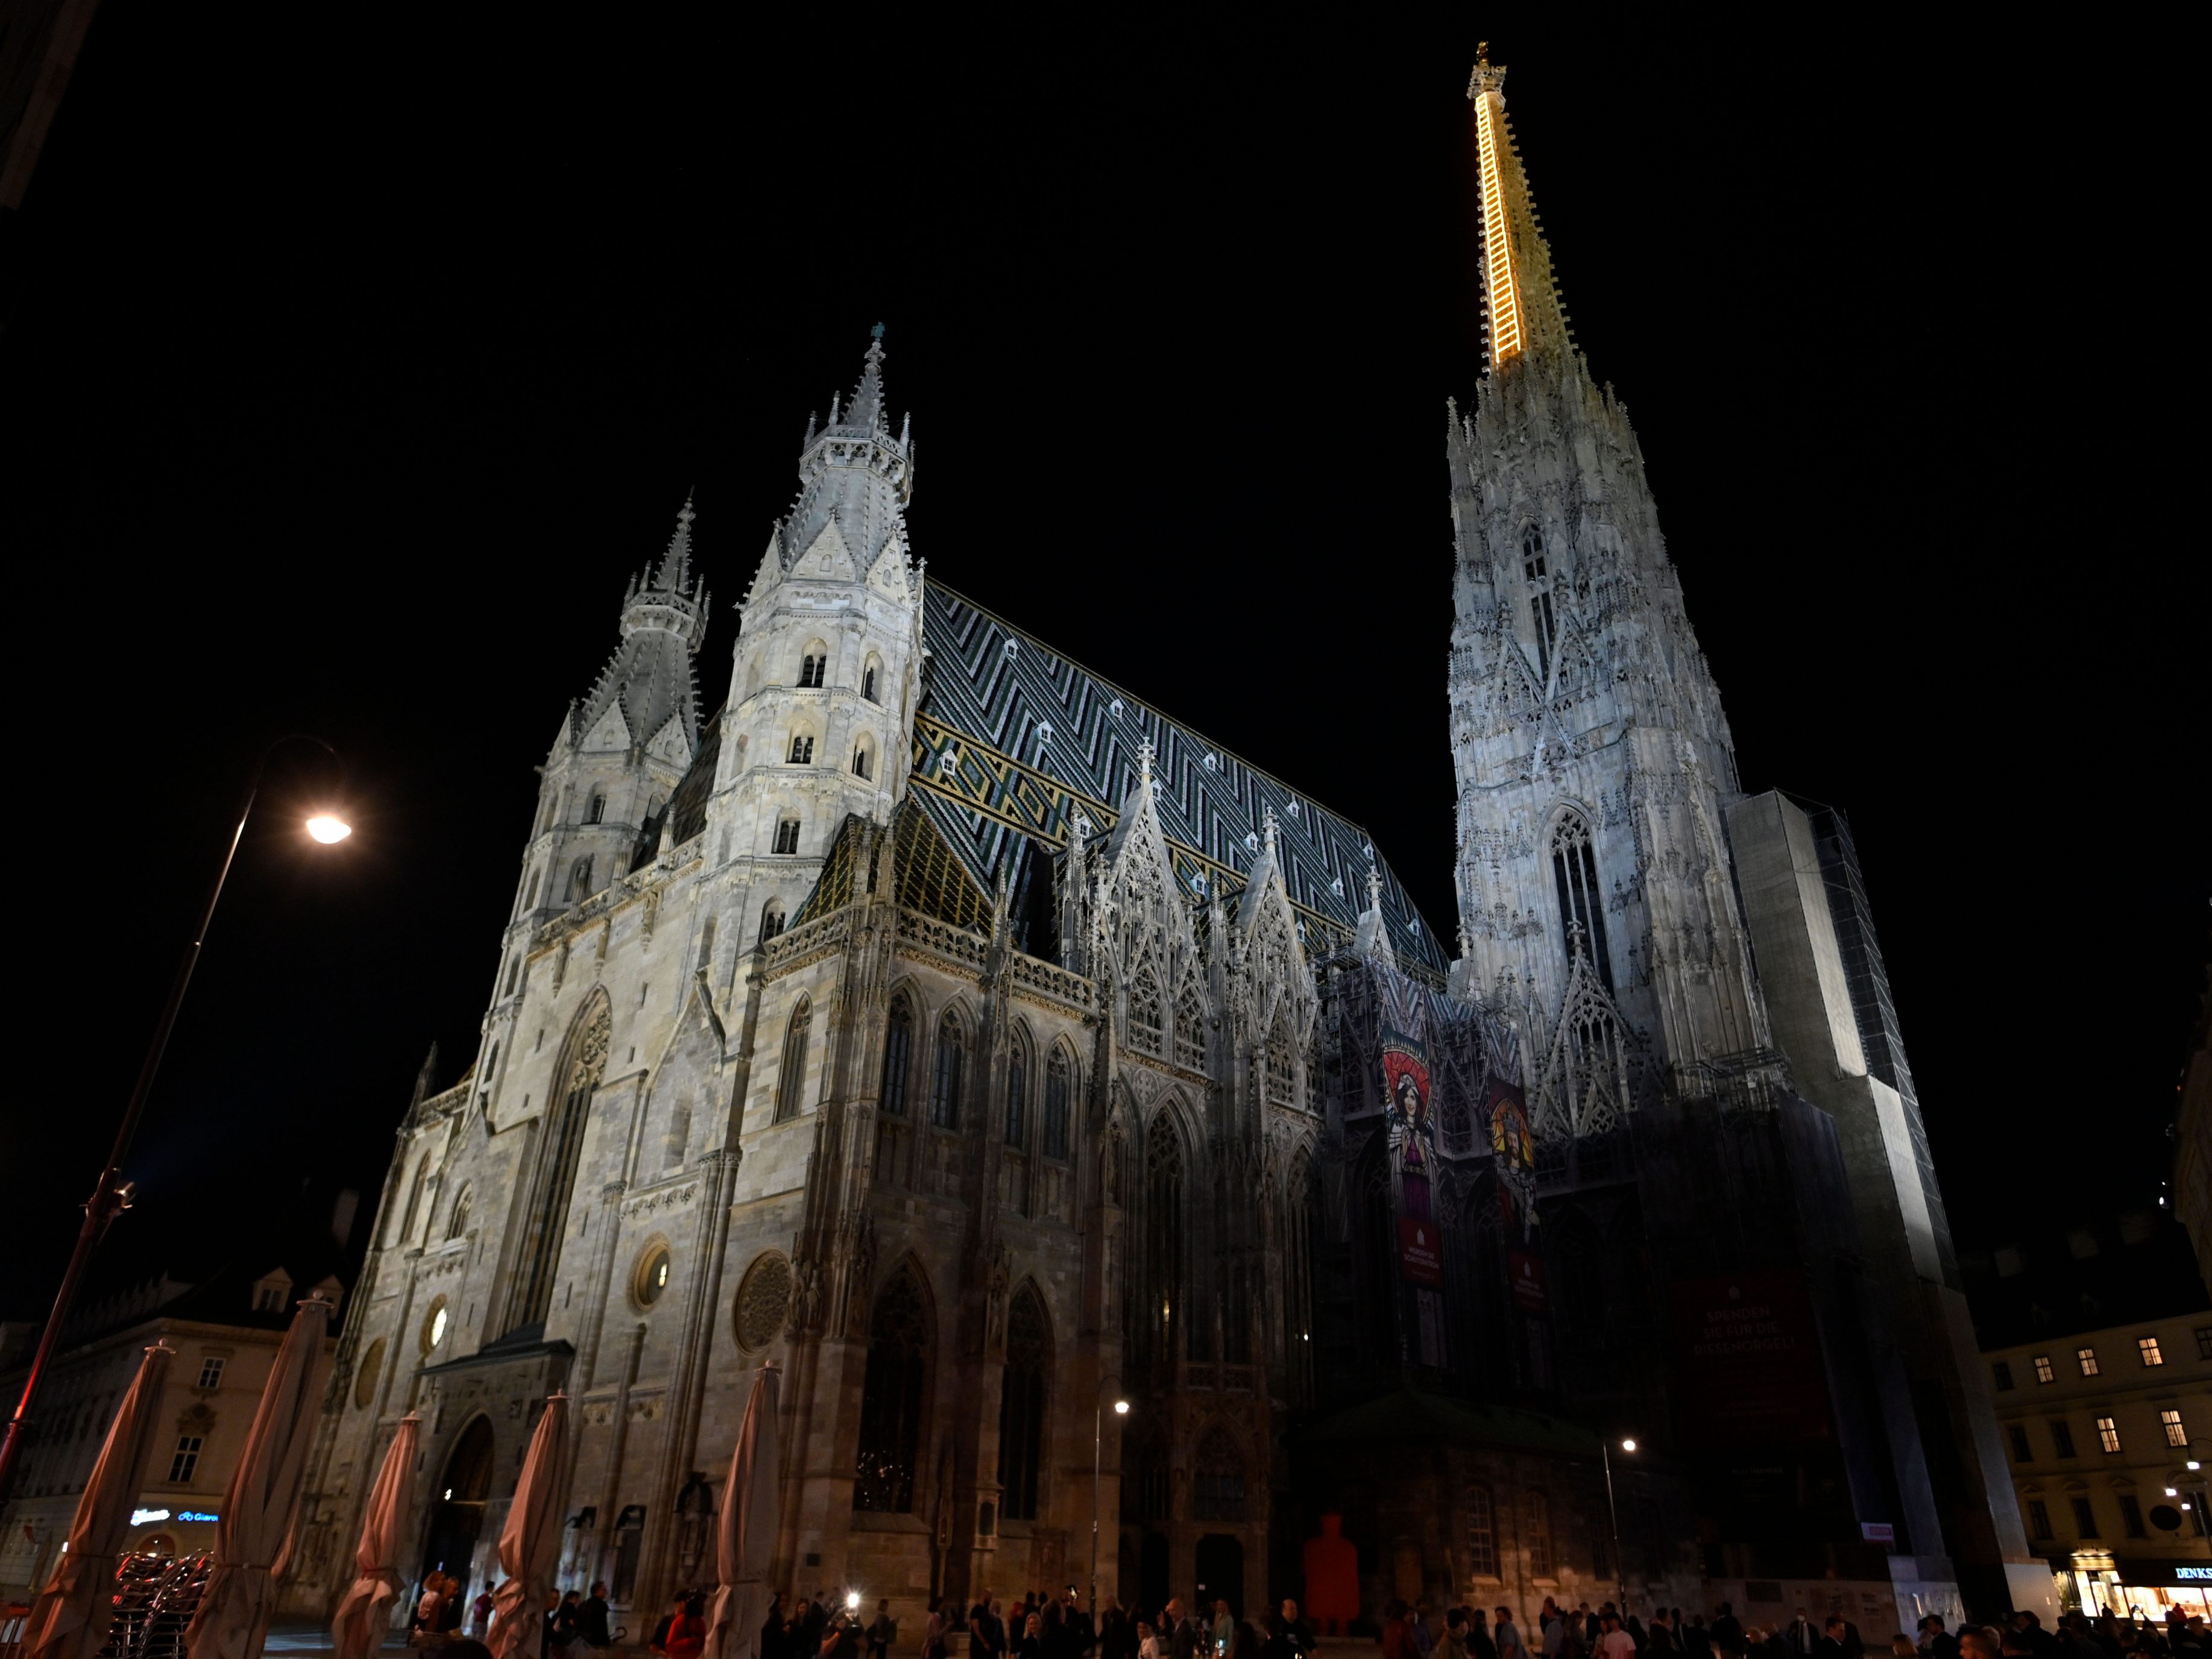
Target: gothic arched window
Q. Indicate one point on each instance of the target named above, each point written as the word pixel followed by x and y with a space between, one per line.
pixel 802 749
pixel 944 1082
pixel 1018 1078
pixel 813 665
pixel 560 1142
pixel 1540 595
pixel 597 811
pixel 786 835
pixel 791 1080
pixel 1059 1084
pixel 864 759
pixel 1582 901
pixel 1155 1308
pixel 414 1200
pixel 1217 1487
pixel 459 1222
pixel 771 919
pixel 1021 1405
pixel 892 1397
pixel 1145 1012
pixel 1190 1027
pixel 868 677
pixel 898 1054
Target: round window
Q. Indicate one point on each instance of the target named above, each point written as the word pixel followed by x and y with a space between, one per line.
pixel 652 1274
pixel 762 1296
pixel 434 1325
pixel 372 1368
pixel 2166 1518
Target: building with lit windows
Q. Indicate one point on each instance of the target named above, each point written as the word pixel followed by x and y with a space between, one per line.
pixel 977 1042
pixel 2110 1432
pixel 225 1329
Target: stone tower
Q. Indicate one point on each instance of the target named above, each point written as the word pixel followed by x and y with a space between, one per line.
pixel 622 749
pixel 826 670
pixel 1591 754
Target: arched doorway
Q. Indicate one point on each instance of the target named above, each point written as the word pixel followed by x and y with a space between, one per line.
pixel 1221 1571
pixel 457 1506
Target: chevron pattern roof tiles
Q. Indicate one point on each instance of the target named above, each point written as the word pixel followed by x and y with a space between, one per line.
pixel 1014 738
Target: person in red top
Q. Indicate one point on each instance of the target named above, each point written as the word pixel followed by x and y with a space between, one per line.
pixel 686 1634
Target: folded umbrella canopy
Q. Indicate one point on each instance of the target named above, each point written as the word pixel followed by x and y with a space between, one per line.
pixel 71 1619
pixel 745 1538
pixel 363 1616
pixel 264 1497
pixel 530 1542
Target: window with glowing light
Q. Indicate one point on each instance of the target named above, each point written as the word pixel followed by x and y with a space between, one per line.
pixel 2086 1359
pixel 2147 1350
pixel 2177 1434
pixel 1481 1534
pixel 2108 1434
pixel 650 1282
pixel 2043 1372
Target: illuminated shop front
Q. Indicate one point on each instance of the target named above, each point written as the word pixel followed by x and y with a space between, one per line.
pixel 2133 1588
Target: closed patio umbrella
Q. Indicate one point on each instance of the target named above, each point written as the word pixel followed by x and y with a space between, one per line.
pixel 363 1616
pixel 745 1538
pixel 530 1542
pixel 264 1495
pixel 70 1618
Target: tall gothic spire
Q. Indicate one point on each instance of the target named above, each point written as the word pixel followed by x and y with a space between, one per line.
pixel 651 676
pixel 853 473
pixel 1522 309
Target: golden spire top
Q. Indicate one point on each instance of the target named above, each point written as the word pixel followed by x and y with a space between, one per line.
pixel 1519 299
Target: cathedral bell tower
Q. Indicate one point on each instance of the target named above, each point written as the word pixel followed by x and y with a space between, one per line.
pixel 622 749
pixel 1591 754
pixel 827 667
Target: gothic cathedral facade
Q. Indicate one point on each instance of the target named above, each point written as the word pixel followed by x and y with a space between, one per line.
pixel 978 1044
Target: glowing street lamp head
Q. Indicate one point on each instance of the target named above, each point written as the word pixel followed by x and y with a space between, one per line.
pixel 1628 1445
pixel 852 1599
pixel 1121 1408
pixel 328 829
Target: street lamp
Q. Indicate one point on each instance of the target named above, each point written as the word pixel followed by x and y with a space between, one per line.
pixel 1098 1436
pixel 112 1194
pixel 1613 1512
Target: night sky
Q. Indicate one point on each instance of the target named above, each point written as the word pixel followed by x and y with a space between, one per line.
pixel 355 359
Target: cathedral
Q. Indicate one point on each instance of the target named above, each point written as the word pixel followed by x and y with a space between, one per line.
pixel 980 1046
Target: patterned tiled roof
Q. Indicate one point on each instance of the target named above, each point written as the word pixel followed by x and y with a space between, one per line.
pixel 1013 738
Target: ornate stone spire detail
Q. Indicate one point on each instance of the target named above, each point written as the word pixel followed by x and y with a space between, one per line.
pixel 1521 304
pixel 853 473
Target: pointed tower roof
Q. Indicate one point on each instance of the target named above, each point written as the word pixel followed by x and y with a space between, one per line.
pixel 853 472
pixel 1523 311
pixel 651 676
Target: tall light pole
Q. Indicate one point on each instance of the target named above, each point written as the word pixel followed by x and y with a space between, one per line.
pixel 1097 1438
pixel 1612 1513
pixel 111 1193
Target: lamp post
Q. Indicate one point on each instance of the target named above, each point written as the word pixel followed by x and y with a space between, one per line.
pixel 111 1193
pixel 1612 1513
pixel 1097 1438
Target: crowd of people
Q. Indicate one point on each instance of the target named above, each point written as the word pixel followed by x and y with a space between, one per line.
pixel 1042 1626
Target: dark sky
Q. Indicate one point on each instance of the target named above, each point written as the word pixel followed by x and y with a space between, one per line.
pixel 355 361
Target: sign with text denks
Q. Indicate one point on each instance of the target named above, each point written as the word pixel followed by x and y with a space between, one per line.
pixel 1751 1359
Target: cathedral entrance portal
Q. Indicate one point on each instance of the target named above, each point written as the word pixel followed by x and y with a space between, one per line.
pixel 1221 1572
pixel 458 1508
